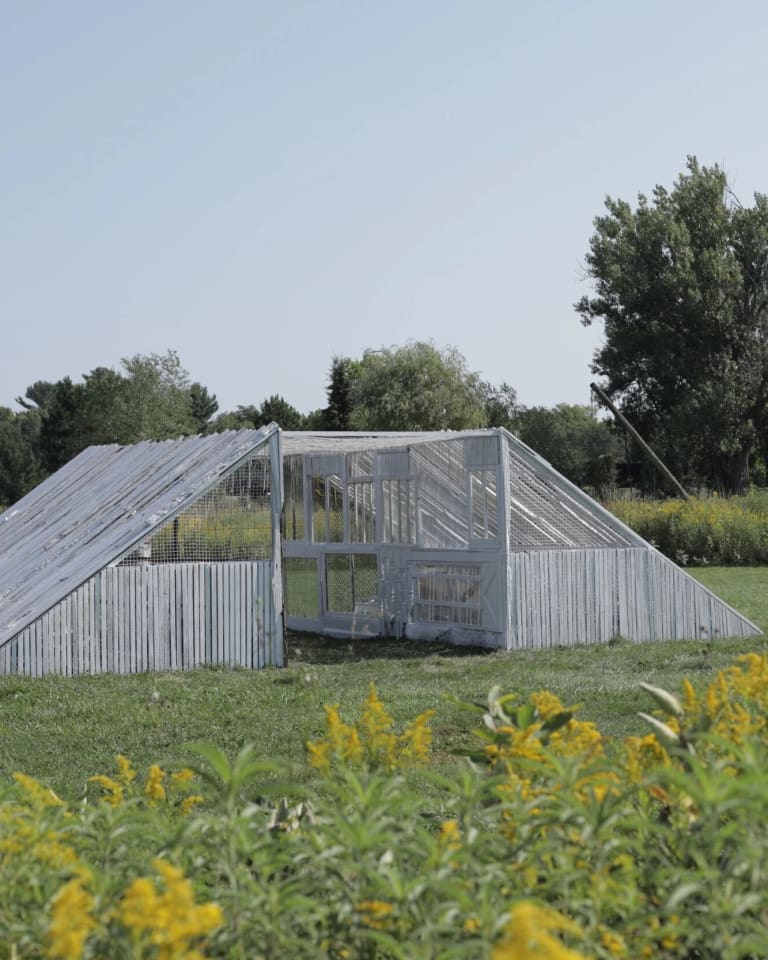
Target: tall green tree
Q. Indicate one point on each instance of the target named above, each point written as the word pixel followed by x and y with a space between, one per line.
pixel 203 404
pixel 274 409
pixel 578 444
pixel 681 286
pixel 415 387
pixel 20 465
pixel 151 399
pixel 501 406
pixel 338 413
pixel 37 395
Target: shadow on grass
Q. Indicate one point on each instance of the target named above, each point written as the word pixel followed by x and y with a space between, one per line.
pixel 313 648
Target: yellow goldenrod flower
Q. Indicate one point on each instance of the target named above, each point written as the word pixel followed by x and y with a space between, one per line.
pixel 114 790
pixel 374 745
pixel 127 773
pixel 416 740
pixel 189 803
pixel 154 788
pixel 375 913
pixel 168 919
pixel 532 934
pixel 375 721
pixel 39 795
pixel 71 922
pixel 182 776
pixel 614 943
pixel 450 834
pixel 319 755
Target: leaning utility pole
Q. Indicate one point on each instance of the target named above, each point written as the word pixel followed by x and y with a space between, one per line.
pixel 600 394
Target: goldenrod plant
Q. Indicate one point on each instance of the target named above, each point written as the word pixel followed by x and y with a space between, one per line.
pixel 550 842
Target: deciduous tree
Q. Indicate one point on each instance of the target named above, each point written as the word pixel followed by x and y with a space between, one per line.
pixel 20 466
pixel 415 387
pixel 681 286
pixel 151 400
pixel 573 440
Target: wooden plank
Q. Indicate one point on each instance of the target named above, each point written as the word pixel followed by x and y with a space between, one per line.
pixel 224 633
pixel 199 618
pixel 159 636
pixel 232 625
pixel 260 601
pixel 246 620
pixel 208 655
pixel 234 611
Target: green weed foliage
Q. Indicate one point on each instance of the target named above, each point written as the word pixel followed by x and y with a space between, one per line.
pixel 701 531
pixel 550 842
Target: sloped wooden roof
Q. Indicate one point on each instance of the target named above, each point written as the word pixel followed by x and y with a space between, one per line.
pixel 97 508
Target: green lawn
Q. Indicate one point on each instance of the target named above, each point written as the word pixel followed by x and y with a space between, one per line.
pixel 63 730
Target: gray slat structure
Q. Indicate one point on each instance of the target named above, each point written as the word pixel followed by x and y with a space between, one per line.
pixel 471 537
pixel 75 594
pixel 169 555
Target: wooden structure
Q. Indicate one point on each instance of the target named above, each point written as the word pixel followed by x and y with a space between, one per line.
pixel 175 554
pixel 154 556
pixel 473 538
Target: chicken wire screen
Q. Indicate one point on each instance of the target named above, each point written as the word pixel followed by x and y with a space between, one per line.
pixel 543 514
pixel 293 494
pixel 351 582
pixel 233 521
pixel 302 597
pixel 447 593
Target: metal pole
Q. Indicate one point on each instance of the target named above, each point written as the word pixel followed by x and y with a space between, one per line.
pixel 600 394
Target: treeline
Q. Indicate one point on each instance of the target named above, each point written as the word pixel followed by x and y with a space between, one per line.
pixel 414 387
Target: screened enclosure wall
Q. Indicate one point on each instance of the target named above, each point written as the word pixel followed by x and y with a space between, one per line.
pixel 393 534
pixel 232 521
pixel 472 538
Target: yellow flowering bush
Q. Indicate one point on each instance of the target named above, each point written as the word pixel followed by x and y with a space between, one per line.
pixel 372 743
pixel 174 790
pixel 709 530
pixel 533 932
pixel 551 842
pixel 71 922
pixel 165 916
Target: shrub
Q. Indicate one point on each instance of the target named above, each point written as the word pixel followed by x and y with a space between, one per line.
pixel 699 531
pixel 552 843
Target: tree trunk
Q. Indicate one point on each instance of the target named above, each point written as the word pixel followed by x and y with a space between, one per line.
pixel 733 475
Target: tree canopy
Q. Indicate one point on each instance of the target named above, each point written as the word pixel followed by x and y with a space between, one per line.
pixel 414 387
pixel 577 443
pixel 151 400
pixel 681 286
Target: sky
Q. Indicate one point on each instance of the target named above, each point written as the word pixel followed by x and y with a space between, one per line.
pixel 262 185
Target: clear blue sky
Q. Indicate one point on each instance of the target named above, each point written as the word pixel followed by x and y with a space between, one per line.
pixel 260 185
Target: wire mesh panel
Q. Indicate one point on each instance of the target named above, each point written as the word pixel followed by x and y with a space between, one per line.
pixel 302 594
pixel 398 511
pixel 351 581
pixel 327 509
pixel 233 521
pixel 447 593
pixel 443 494
pixel 484 504
pixel 293 493
pixel 360 464
pixel 362 511
pixel 543 514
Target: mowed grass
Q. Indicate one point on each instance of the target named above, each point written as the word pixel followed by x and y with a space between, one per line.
pixel 64 730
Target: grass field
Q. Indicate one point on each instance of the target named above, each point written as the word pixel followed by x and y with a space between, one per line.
pixel 63 730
